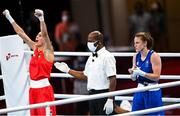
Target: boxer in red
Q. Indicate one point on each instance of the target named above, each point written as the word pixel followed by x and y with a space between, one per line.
pixel 40 65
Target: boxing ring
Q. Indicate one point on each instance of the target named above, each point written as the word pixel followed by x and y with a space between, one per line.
pixel 90 97
pixel 67 99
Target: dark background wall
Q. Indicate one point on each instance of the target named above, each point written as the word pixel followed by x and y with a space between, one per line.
pixel 110 17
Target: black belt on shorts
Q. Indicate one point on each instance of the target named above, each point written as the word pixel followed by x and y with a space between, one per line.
pixel 93 91
pixel 145 83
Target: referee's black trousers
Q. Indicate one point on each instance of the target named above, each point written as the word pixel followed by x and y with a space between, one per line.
pixel 96 106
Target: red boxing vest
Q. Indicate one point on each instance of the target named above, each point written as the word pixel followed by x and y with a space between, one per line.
pixel 39 67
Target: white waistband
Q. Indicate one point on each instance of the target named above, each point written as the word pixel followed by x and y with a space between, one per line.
pixel 149 84
pixel 39 83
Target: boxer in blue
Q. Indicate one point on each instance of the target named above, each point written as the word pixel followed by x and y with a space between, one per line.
pixel 146 71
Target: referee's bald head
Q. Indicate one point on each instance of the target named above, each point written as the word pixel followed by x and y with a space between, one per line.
pixel 96 36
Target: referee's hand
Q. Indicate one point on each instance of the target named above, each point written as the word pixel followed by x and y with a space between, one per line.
pixel 62 66
pixel 108 106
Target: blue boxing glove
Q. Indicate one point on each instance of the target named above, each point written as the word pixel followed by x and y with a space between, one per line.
pixel 138 72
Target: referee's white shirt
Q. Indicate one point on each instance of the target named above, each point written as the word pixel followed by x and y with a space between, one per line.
pixel 98 69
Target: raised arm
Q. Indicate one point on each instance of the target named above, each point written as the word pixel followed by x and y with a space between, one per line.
pixel 48 49
pixel 19 30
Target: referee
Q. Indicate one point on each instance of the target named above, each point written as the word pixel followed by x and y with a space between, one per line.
pixel 100 73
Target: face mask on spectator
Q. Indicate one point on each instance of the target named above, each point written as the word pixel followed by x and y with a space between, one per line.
pixel 64 18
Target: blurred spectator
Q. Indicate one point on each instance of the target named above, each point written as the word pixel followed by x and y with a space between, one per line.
pixel 139 20
pixel 67 36
pixel 158 28
pixel 80 86
pixel 66 33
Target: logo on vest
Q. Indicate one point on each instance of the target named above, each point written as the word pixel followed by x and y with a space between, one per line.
pixel 9 55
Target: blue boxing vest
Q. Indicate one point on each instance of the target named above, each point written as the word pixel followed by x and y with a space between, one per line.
pixel 145 66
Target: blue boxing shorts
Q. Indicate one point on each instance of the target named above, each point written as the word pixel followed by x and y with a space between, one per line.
pixel 146 100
